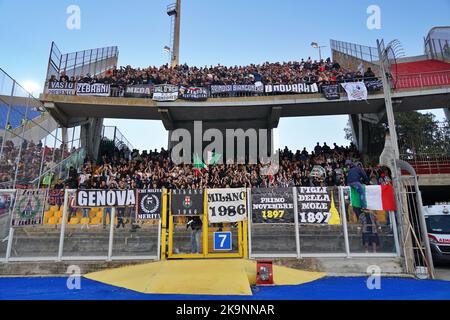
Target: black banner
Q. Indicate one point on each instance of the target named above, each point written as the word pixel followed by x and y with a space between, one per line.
pixel 187 202
pixel 374 85
pixel 292 88
pixel 256 88
pixel 6 201
pixel 148 204
pixel 272 205
pixel 139 91
pixel 105 198
pixel 55 197
pixel 314 204
pixel 331 92
pixel 61 88
pixel 193 93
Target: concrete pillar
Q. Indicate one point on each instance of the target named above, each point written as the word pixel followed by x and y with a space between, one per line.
pixel 90 135
pixel 447 113
pixel 360 132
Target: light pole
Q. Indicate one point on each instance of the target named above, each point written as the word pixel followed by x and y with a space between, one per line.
pixel 315 45
pixel 169 52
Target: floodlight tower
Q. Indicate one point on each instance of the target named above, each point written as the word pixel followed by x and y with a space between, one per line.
pixel 174 12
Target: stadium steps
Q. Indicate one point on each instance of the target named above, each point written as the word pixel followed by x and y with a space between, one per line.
pixel 421 66
pixel 53 216
pixel 214 277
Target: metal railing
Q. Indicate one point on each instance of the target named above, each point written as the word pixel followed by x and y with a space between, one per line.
pixel 90 234
pixel 93 61
pixel 429 164
pixel 421 80
pixel 36 144
pixel 64 240
pixel 114 134
pixel 438 49
pixel 366 53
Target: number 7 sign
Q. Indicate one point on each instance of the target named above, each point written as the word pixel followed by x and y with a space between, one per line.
pixel 222 241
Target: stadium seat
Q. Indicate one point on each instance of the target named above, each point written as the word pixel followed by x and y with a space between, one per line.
pixel 74 221
pixel 53 220
pixel 48 214
pixel 96 220
pixel 85 221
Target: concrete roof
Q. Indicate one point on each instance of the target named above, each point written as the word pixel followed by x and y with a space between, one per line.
pixel 70 110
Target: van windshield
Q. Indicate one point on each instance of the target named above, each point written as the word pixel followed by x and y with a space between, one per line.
pixel 438 224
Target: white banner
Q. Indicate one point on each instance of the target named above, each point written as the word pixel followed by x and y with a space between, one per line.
pixel 227 205
pixel 95 89
pixel 165 92
pixel 356 91
pixel 165 96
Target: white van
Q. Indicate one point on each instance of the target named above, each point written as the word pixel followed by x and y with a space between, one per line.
pixel 437 218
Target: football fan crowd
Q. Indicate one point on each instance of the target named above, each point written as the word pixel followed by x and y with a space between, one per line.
pixel 304 71
pixel 325 166
pixel 33 160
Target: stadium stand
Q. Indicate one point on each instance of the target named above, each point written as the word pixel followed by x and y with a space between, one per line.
pixel 307 71
pixel 16 116
pixel 425 73
pixel 325 166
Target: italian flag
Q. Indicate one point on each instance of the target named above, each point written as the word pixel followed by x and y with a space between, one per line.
pixel 199 165
pixel 377 198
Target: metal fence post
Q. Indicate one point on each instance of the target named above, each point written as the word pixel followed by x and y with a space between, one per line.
pixel 296 224
pixel 10 240
pixel 344 220
pixel 63 225
pixel 8 115
pixel 249 223
pixel 393 220
pixel 111 232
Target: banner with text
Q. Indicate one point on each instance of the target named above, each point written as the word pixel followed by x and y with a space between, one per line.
pixel 165 92
pixel 193 93
pixel 255 88
pixel 272 205
pixel 374 85
pixel 6 202
pixel 139 91
pixel 356 91
pixel 316 206
pixel 94 89
pixel 227 205
pixel 148 204
pixel 29 207
pixel 105 198
pixel 55 197
pixel 187 202
pixel 331 92
pixel 61 88
pixel 292 88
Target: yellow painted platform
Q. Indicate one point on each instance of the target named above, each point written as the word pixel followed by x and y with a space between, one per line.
pixel 212 277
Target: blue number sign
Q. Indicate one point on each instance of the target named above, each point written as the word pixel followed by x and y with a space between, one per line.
pixel 222 241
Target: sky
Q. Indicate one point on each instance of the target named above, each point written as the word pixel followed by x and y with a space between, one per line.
pixel 233 32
